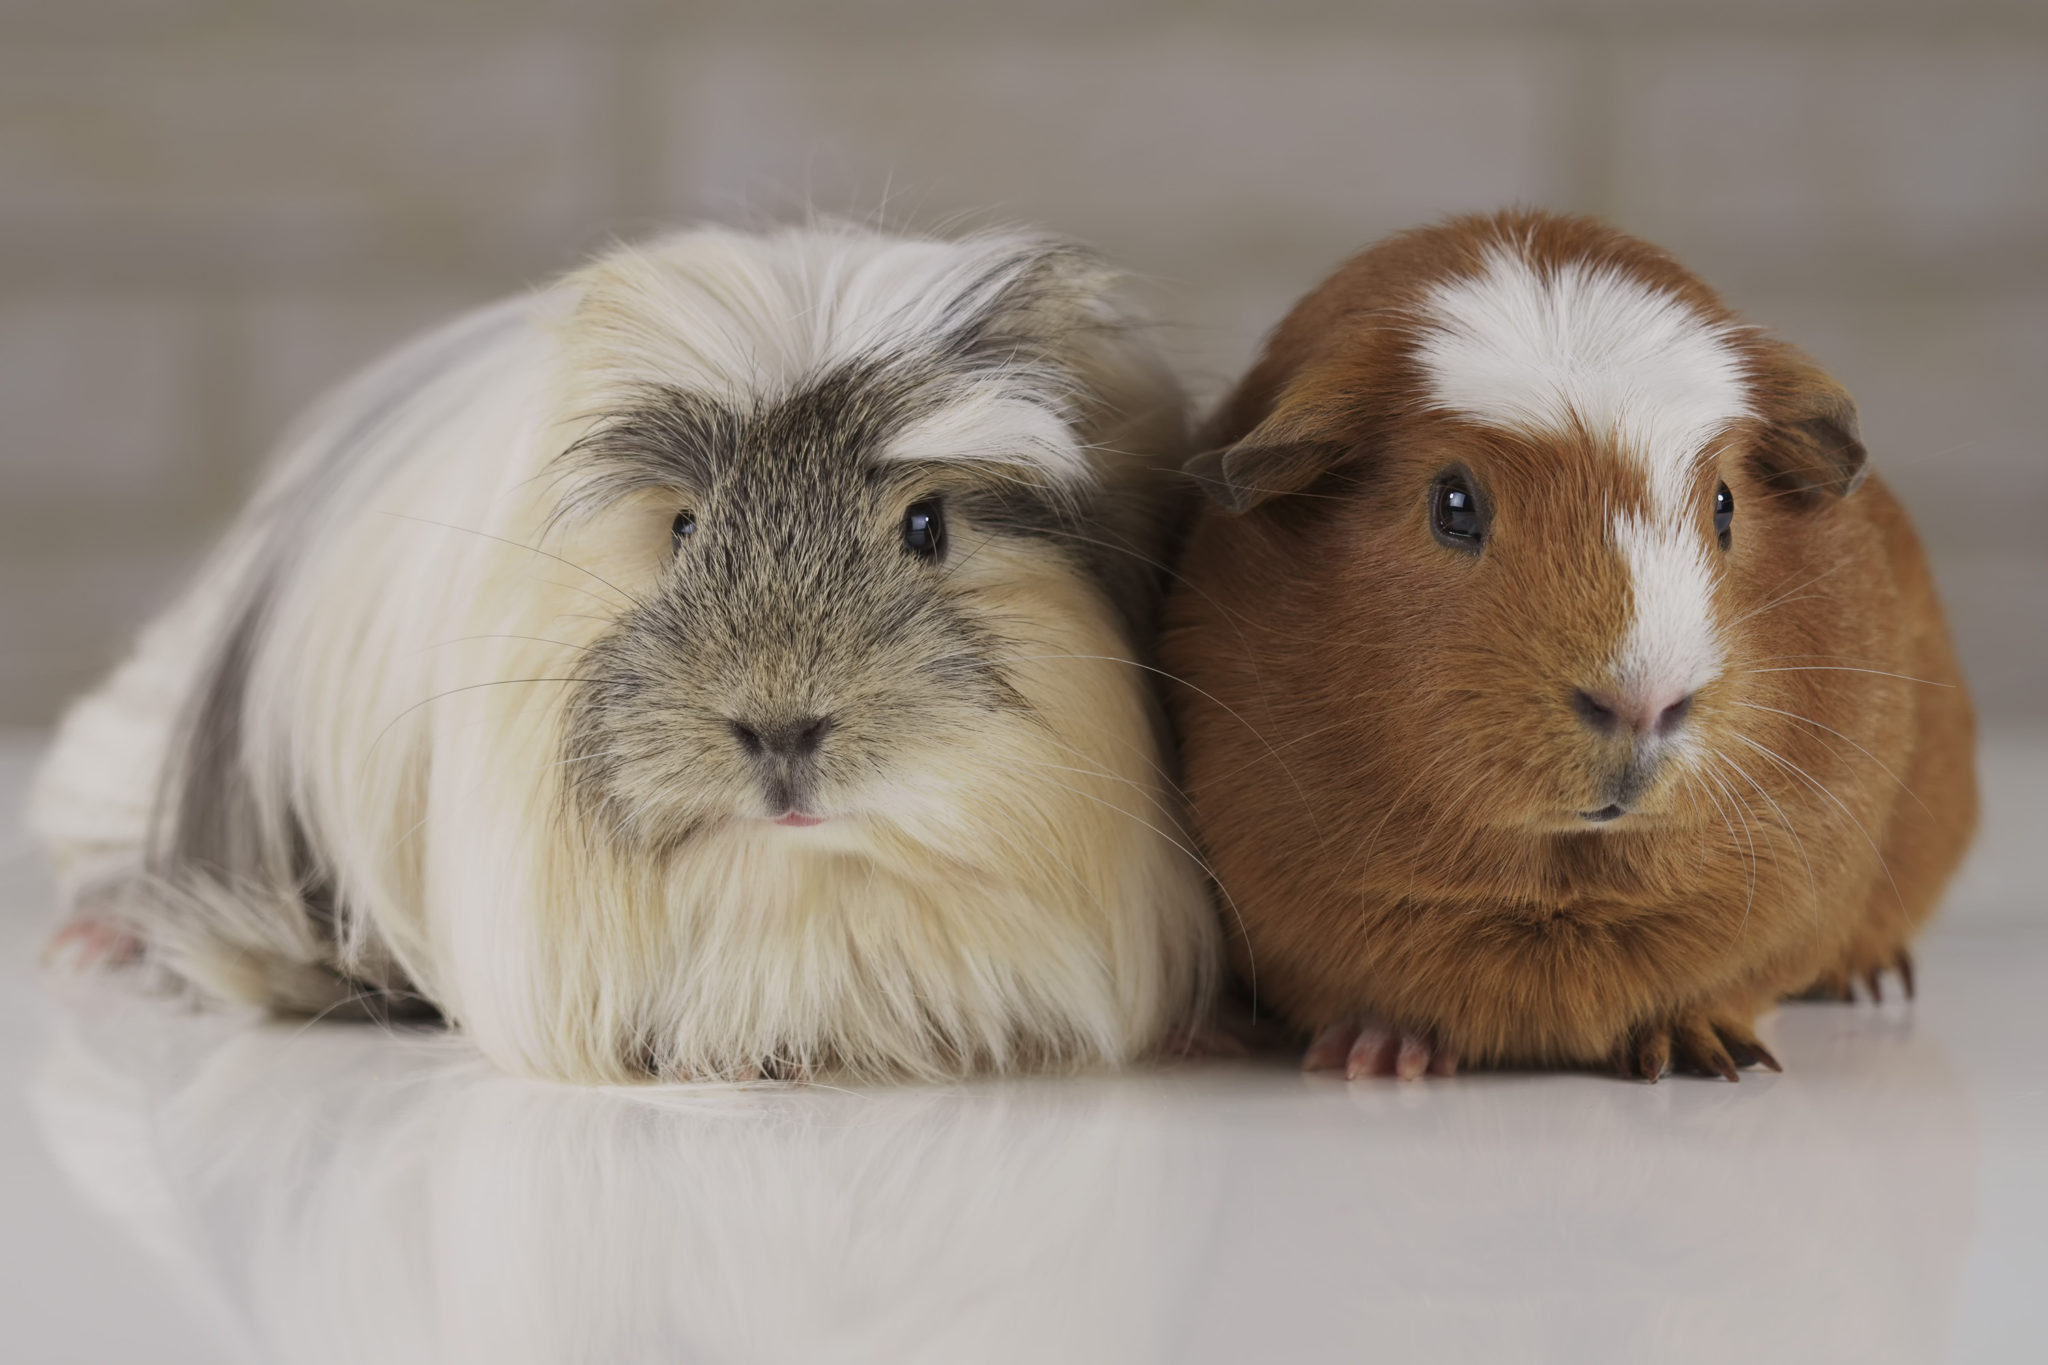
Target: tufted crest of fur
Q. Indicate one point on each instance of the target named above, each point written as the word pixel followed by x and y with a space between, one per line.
pixel 1382 732
pixel 460 712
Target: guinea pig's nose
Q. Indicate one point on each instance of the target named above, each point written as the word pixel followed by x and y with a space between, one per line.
pixel 796 738
pixel 1636 713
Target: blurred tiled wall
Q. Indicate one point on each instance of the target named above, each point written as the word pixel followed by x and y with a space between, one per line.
pixel 209 209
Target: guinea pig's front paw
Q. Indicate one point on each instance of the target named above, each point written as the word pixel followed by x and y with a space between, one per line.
pixel 1366 1047
pixel 1868 969
pixel 85 943
pixel 1699 1044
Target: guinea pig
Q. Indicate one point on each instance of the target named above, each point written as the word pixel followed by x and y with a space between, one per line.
pixel 1557 688
pixel 724 663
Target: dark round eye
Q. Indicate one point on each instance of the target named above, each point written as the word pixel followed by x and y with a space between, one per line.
pixel 1455 514
pixel 1724 514
pixel 685 524
pixel 924 529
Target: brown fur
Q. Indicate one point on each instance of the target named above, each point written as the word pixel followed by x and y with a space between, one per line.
pixel 1379 750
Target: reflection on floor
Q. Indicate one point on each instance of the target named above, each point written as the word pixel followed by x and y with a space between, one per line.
pixel 284 1193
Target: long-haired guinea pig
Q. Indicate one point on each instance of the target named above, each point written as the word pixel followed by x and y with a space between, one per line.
pixel 726 662
pixel 1559 691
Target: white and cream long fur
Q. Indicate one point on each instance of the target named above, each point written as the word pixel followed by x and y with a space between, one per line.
pixel 345 767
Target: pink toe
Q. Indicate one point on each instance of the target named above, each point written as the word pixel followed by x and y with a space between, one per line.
pixel 1372 1054
pixel 1413 1058
pixel 1330 1048
pixel 85 944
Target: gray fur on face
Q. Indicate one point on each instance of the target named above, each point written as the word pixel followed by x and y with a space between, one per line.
pixel 792 651
pixel 793 644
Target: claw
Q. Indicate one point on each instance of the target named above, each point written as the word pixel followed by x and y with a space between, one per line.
pixel 1746 1052
pixel 1698 1044
pixel 1698 1048
pixel 1830 987
pixel 1841 984
pixel 1744 1047
pixel 1653 1057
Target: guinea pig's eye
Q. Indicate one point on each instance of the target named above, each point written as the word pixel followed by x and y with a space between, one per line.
pixel 1724 514
pixel 684 525
pixel 924 529
pixel 1455 514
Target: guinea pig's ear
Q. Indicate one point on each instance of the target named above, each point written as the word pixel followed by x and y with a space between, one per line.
pixel 1812 444
pixel 1280 455
pixel 1242 476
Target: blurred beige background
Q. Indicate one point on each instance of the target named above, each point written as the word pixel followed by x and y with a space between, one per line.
pixel 211 209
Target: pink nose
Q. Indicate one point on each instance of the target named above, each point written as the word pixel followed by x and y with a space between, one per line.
pixel 1638 713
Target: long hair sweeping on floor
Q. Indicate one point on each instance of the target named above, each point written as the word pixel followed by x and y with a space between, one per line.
pixel 727 662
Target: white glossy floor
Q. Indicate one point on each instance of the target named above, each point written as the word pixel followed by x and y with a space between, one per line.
pixel 179 1188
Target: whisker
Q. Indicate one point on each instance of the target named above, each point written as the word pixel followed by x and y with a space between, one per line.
pixel 1146 752
pixel 1371 844
pixel 1837 668
pixel 1299 790
pixel 1285 744
pixel 1235 619
pixel 1788 596
pixel 1444 813
pixel 633 817
pixel 1836 658
pixel 1729 825
pixel 530 549
pixel 536 639
pixel 467 687
pixel 1195 856
pixel 596 597
pixel 581 758
pixel 1749 837
pixel 1043 847
pixel 1165 810
pixel 1845 739
pixel 1814 782
pixel 1812 884
pixel 1784 821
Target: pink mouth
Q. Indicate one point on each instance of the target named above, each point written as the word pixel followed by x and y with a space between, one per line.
pixel 798 820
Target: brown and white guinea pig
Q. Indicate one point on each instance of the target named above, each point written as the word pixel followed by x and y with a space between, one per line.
pixel 1558 688
pixel 724 662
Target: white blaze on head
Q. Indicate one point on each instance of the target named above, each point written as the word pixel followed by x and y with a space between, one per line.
pixel 1592 347
pixel 754 317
